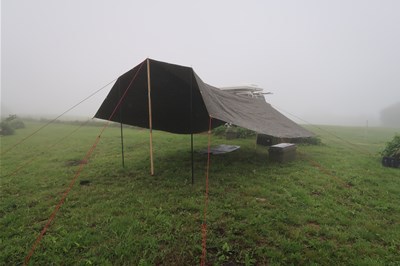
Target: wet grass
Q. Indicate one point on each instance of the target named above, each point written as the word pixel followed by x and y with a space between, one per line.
pixel 334 205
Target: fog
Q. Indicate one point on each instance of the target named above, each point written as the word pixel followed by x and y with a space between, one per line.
pixel 326 62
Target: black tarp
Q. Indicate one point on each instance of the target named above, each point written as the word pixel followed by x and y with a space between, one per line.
pixel 182 103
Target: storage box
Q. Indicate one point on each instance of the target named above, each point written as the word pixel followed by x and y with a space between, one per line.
pixel 282 152
pixel 264 140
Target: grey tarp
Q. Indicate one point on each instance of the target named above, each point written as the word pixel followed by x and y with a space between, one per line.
pixel 182 103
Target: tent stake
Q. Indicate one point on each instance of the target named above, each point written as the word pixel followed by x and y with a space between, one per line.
pixel 150 118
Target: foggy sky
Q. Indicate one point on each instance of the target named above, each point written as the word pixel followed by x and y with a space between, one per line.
pixel 327 62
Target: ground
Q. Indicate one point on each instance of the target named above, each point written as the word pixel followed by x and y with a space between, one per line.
pixel 335 204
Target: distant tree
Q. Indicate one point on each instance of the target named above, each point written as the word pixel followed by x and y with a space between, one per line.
pixel 390 116
pixel 8 126
pixel 11 117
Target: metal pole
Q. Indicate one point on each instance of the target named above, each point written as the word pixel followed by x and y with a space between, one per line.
pixel 122 133
pixel 255 145
pixel 122 147
pixel 191 123
pixel 191 137
pixel 150 118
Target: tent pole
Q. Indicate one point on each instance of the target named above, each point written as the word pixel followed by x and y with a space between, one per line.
pixel 150 118
pixel 191 144
pixel 122 147
pixel 122 134
pixel 191 123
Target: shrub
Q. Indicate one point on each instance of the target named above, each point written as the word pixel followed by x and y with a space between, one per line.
pixel 392 148
pixel 245 133
pixel 239 131
pixel 16 124
pixel 219 131
pixel 6 129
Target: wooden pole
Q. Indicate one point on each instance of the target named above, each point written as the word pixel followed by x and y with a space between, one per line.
pixel 150 118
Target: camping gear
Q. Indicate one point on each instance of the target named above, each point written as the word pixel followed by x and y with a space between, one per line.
pixel 221 149
pixel 282 152
pixel 265 140
pixel 172 98
pixel 390 162
pixel 182 103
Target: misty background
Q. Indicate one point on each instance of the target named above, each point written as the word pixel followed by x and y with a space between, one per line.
pixel 326 62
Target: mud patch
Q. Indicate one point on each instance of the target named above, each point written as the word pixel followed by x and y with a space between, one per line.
pixel 314 225
pixel 84 182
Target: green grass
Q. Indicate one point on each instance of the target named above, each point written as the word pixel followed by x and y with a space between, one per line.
pixel 345 211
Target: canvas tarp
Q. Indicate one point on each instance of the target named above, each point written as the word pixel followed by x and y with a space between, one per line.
pixel 182 103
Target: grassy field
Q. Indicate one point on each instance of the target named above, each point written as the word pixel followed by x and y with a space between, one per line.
pixel 335 205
